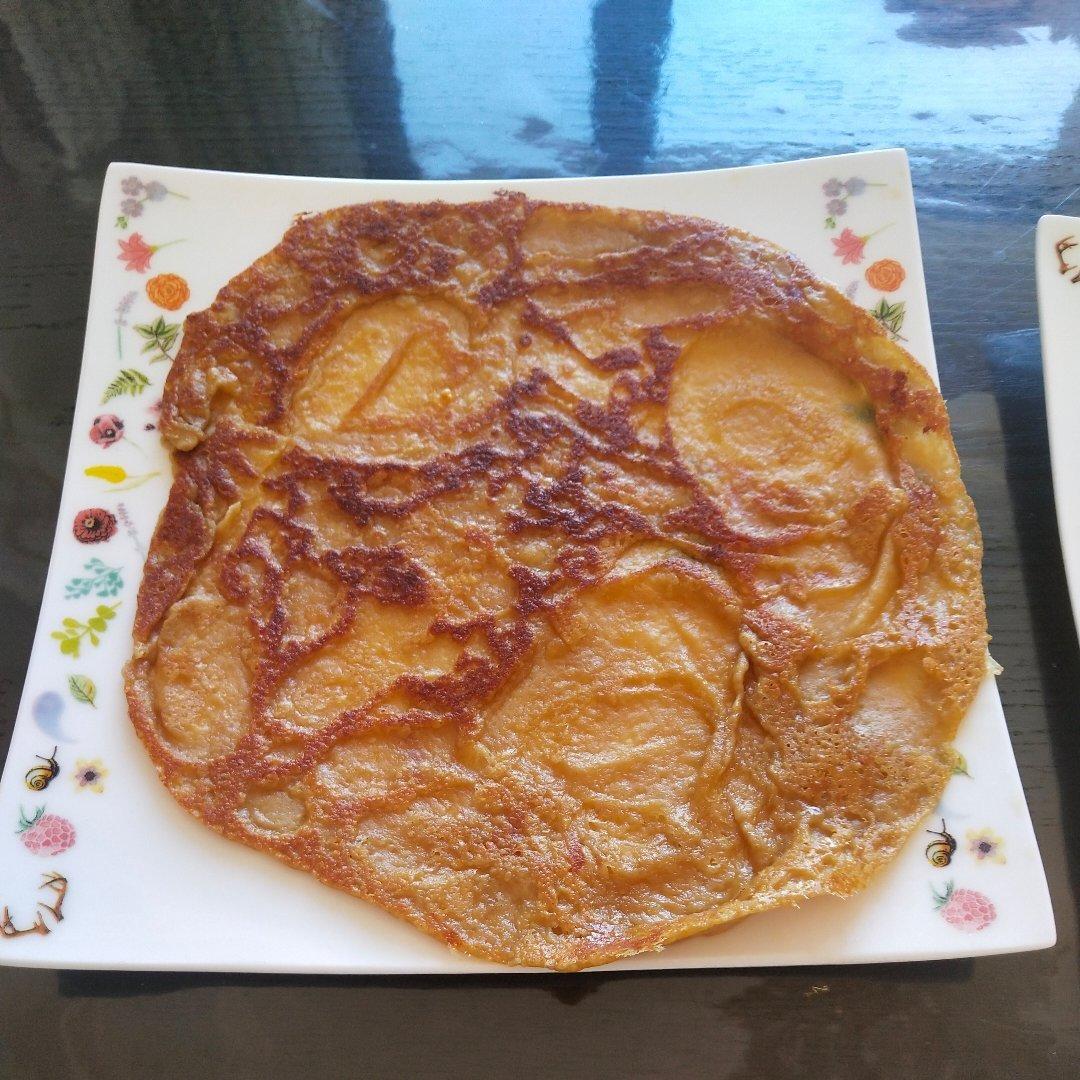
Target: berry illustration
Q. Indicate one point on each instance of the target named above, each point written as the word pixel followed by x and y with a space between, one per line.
pixel 965 909
pixel 45 834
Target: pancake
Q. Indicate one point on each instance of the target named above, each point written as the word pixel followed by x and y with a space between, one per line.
pixel 563 580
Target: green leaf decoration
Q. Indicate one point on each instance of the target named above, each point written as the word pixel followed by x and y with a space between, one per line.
pixel 71 637
pixel 101 580
pixel 890 316
pixel 129 381
pixel 83 689
pixel 160 337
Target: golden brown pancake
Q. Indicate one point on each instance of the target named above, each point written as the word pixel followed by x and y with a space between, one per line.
pixel 564 580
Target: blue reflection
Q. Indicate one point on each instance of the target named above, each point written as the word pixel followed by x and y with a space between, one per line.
pixel 626 78
pixel 488 84
pixel 628 85
pixel 846 74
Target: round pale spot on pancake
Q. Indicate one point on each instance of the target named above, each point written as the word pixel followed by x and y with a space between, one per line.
pixel 202 677
pixel 396 362
pixel 774 432
pixel 890 706
pixel 275 811
pixel 788 447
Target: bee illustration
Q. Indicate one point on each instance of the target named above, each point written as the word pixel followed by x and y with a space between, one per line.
pixel 41 776
pixel 940 851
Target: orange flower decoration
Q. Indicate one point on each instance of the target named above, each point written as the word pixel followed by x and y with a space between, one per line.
pixel 168 291
pixel 887 275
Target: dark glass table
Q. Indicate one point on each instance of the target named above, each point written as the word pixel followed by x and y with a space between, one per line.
pixel 983 93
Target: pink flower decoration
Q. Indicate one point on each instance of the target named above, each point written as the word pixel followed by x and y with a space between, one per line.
pixel 135 253
pixel 106 429
pixel 849 247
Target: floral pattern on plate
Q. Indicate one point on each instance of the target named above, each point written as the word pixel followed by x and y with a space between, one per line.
pixel 136 194
pixel 153 340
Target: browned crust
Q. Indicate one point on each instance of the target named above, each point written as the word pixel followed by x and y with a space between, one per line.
pixel 227 397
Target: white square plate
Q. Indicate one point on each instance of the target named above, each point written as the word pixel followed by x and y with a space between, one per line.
pixel 1057 274
pixel 145 886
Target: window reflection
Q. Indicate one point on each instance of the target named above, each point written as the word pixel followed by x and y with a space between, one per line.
pixel 769 81
pixel 629 42
pixel 495 89
pixel 630 85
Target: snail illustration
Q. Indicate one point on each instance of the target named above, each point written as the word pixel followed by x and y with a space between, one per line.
pixel 41 776
pixel 940 851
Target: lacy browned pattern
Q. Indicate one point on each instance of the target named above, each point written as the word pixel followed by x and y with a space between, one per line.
pixel 564 580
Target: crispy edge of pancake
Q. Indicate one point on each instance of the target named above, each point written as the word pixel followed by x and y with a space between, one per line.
pixel 810 311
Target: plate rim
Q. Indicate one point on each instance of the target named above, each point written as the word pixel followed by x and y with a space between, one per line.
pixel 896 154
